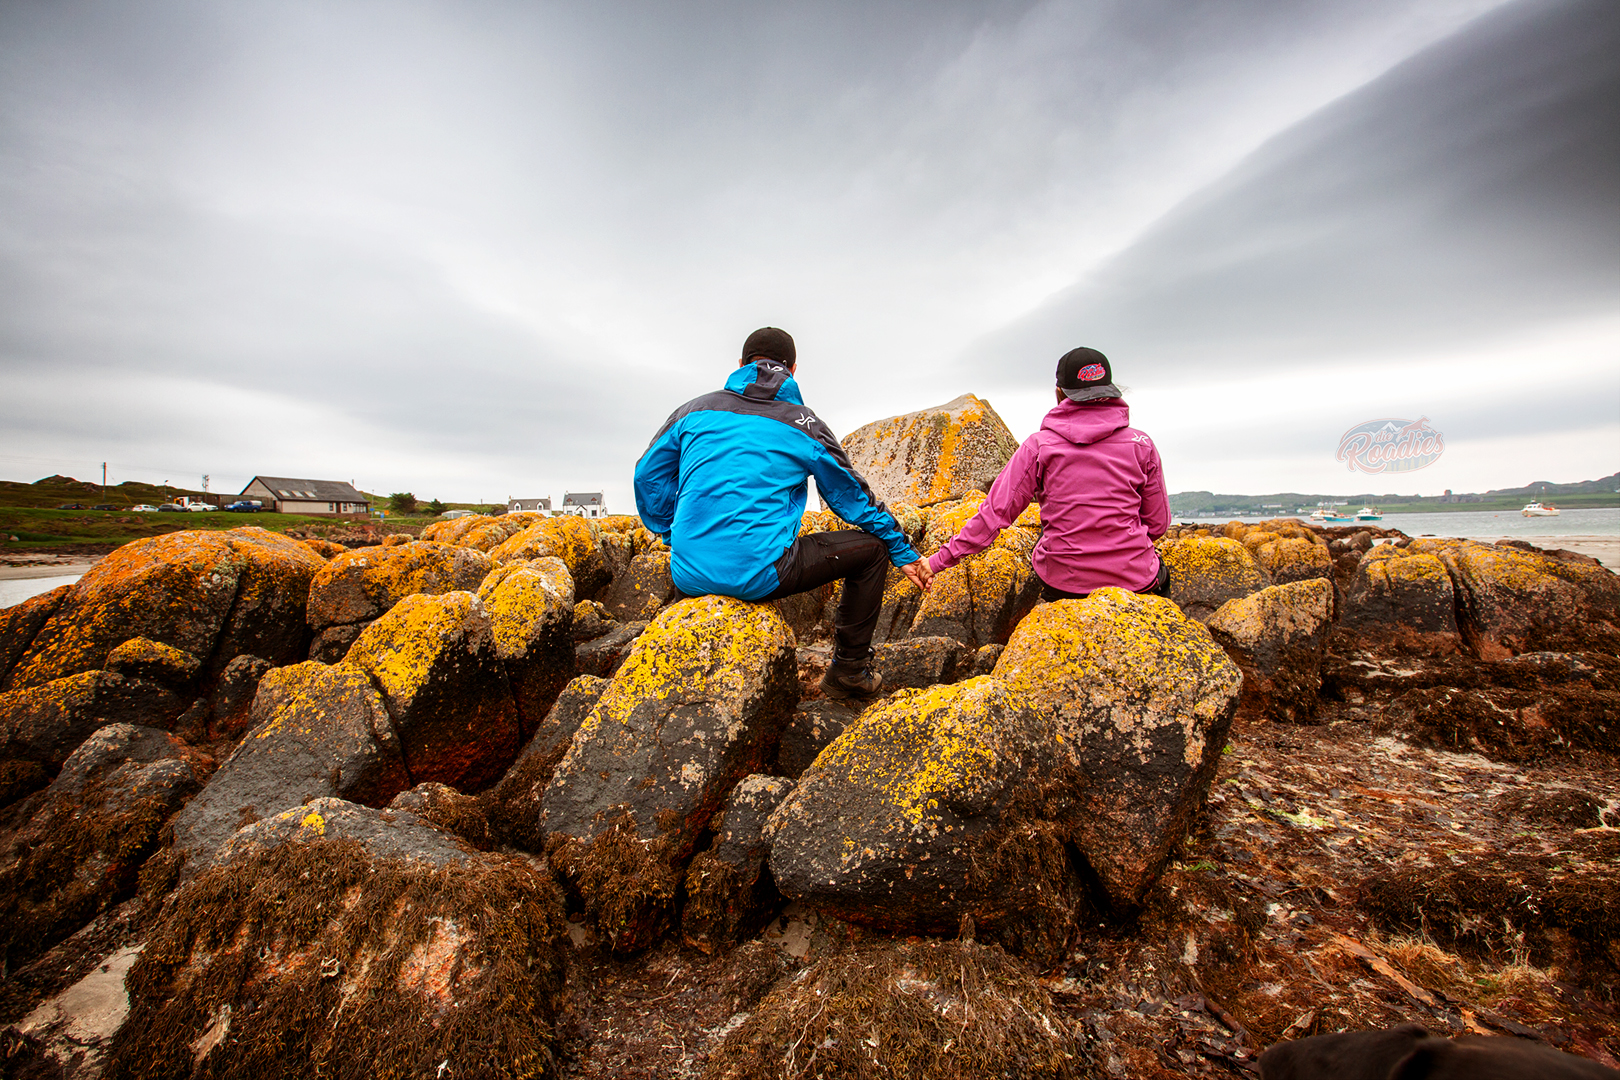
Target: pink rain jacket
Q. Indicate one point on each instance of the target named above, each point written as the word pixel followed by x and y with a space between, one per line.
pixel 1102 500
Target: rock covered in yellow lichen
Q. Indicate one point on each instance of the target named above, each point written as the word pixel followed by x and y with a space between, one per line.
pixel 1284 559
pixel 142 658
pixel 20 623
pixel 1206 572
pixel 980 599
pixel 46 723
pixel 935 804
pixel 1514 599
pixel 1142 698
pixel 642 589
pixel 1401 591
pixel 326 549
pixel 435 662
pixel 360 585
pixel 531 610
pixel 570 538
pixel 318 730
pixel 1278 637
pixel 211 594
pixel 932 455
pixel 698 704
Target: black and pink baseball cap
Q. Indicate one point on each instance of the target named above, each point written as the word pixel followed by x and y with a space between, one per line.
pixel 1085 375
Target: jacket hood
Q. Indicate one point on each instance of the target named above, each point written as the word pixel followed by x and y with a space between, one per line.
pixel 1083 423
pixel 765 380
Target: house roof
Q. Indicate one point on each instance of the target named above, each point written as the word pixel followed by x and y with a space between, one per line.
pixel 582 498
pixel 538 499
pixel 292 487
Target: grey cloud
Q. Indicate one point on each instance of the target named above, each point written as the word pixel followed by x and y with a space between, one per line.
pixel 1474 189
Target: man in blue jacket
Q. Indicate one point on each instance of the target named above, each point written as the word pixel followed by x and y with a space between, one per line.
pixel 723 483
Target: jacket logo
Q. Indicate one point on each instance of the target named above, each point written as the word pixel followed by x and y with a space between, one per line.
pixel 805 420
pixel 1139 437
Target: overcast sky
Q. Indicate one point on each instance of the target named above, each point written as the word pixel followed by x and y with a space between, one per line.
pixel 479 249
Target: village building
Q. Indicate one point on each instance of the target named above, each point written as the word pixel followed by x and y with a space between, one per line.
pixel 289 495
pixel 584 504
pixel 542 506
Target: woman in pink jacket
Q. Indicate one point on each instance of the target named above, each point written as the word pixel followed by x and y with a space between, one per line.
pixel 1099 484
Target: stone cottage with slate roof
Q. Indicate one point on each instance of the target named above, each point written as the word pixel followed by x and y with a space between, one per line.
pixel 584 504
pixel 289 495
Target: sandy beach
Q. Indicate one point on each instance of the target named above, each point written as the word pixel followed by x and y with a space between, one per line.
pixel 1605 549
pixel 22 567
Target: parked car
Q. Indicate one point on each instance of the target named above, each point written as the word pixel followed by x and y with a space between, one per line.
pixel 106 506
pixel 195 507
pixel 142 508
pixel 172 508
pixel 73 506
pixel 245 506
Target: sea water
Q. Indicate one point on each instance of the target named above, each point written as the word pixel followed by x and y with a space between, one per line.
pixel 1600 522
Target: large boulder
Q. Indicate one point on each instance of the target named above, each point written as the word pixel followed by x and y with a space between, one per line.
pixel 210 594
pixel 932 455
pixel 699 704
pixel 20 623
pixel 934 806
pixel 47 723
pixel 336 940
pixel 1402 596
pixel 513 804
pixel 946 1010
pixel 531 610
pixel 1143 699
pixel 642 589
pixel 1293 558
pixel 1207 571
pixel 979 600
pixel 319 730
pixel 358 586
pixel 436 663
pixel 1514 600
pixel 570 538
pixel 729 891
pixel 1278 637
pixel 481 532
pixel 79 852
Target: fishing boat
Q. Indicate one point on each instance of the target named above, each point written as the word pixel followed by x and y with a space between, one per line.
pixel 1325 514
pixel 1369 513
pixel 1535 509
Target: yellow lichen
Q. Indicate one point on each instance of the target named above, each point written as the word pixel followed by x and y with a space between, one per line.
pixel 1108 659
pixel 918 748
pixel 399 650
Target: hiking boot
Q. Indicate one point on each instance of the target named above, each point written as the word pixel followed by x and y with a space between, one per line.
pixel 847 679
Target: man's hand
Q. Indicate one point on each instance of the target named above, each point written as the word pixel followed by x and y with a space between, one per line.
pixel 919 574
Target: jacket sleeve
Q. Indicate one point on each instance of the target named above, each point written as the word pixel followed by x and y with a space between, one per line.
pixel 1155 502
pixel 658 479
pixel 1009 496
pixel 846 492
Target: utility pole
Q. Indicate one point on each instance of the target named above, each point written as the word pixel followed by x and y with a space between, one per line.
pixel 205 483
pixel 103 479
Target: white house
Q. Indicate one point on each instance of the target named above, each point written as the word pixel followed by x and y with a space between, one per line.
pixel 584 504
pixel 289 495
pixel 543 506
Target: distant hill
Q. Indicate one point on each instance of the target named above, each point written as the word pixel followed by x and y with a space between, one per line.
pixel 1587 493
pixel 56 490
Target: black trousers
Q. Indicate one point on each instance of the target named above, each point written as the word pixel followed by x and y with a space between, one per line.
pixel 861 560
pixel 1160 587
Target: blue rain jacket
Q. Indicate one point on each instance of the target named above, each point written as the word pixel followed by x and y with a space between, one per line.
pixel 724 484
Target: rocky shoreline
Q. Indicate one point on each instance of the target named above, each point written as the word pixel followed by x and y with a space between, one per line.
pixel 498 801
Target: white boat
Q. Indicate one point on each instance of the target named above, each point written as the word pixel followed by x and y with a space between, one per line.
pixel 1325 514
pixel 1535 509
pixel 1369 513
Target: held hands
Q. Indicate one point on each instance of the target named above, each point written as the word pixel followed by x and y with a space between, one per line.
pixel 919 574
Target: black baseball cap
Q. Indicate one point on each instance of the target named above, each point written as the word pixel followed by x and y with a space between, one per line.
pixel 1085 375
pixel 772 343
